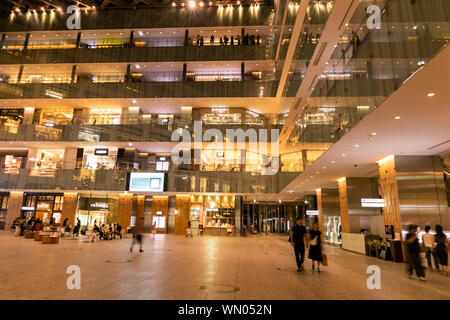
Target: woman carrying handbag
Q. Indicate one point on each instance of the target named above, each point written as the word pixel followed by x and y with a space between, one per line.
pixel 315 247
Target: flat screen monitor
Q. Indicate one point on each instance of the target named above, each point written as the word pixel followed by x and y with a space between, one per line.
pixel 146 181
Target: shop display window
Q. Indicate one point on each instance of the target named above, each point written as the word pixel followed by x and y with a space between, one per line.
pixel 332 229
pixel 220 160
pixel 10 119
pixel 218 118
pixel 291 162
pixel 12 164
pixel 93 209
pixel 56 116
pixel 253 118
pixel 46 162
pixel 105 116
pixel 45 207
pixel 3 209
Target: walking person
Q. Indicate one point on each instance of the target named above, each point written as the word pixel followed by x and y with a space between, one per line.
pixel 413 247
pixel 154 229
pixel 315 246
pixel 137 237
pixel 189 230
pixel 442 247
pixel 211 40
pixel 428 242
pixel 297 239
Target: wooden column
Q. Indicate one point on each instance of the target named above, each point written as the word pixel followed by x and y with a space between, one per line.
pixel 140 207
pixel 320 210
pixel 389 191
pixel 124 210
pixel 343 205
pixel 161 203
pixel 183 207
pixel 14 208
pixel 69 207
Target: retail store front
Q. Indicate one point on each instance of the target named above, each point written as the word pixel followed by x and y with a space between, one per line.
pixel 43 206
pixel 4 197
pixel 10 119
pixel 212 214
pixel 97 209
pixel 45 162
pixel 332 229
pixel 12 160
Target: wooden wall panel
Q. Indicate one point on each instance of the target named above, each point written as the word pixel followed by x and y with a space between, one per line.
pixel 389 191
pixel 343 205
pixel 160 203
pixel 124 210
pixel 69 207
pixel 183 207
pixel 14 210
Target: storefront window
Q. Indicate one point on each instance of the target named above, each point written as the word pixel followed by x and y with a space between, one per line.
pixel 10 119
pixel 45 207
pixel 217 118
pixel 56 116
pixel 95 159
pixel 46 162
pixel 93 209
pixel 213 214
pixel 220 160
pixel 105 116
pixel 291 162
pixel 12 164
pixel 3 209
pixel 332 229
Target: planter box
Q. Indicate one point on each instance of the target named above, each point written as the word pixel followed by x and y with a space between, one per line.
pixel 37 236
pixel 50 240
pixel 29 235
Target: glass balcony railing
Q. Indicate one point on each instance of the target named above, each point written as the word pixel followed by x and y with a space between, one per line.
pixel 137 130
pixel 178 181
pixel 144 54
pixel 140 90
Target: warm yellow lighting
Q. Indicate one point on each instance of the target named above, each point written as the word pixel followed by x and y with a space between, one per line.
pixel 174 4
pixel 201 4
pixel 388 158
pixel 341 179
pixel 318 190
pixel 192 4
pixel 431 94
pixel 200 198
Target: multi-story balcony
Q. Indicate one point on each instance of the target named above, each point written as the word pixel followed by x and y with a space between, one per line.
pixel 134 131
pixel 178 181
pixel 186 89
pixel 145 54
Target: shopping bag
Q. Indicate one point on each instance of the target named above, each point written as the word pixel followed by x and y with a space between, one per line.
pixel 324 259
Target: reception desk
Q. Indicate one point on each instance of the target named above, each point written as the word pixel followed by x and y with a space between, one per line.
pixel 215 231
pixel 354 242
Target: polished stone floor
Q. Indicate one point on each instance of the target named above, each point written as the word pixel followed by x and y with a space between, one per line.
pixel 173 267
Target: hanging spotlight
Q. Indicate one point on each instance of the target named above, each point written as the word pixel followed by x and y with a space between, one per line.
pixel 17 10
pixel 201 4
pixel 192 4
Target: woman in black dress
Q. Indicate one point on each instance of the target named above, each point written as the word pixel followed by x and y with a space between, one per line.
pixel 315 246
pixel 442 246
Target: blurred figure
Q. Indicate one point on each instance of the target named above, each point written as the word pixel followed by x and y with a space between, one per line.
pixel 413 248
pixel 428 242
pixel 315 246
pixel 95 232
pixel 442 246
pixel 154 229
pixel 119 230
pixel 137 237
pixel 189 230
pixel 211 40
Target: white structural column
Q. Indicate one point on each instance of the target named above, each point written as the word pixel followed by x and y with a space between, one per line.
pixel 340 15
pixel 292 45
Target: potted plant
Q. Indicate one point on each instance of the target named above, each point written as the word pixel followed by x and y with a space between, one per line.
pixel 379 247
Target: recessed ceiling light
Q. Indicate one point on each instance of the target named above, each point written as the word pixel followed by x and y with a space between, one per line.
pixel 397 117
pixel 333 161
pixel 374 133
pixel 324 168
pixel 343 154
pixel 431 94
pixel 357 145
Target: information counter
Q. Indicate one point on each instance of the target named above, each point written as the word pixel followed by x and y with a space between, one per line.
pixel 354 242
pixel 215 231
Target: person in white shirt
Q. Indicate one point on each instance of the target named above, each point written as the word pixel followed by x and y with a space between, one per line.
pixel 428 242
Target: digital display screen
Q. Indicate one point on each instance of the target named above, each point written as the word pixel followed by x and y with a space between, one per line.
pixel 146 181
